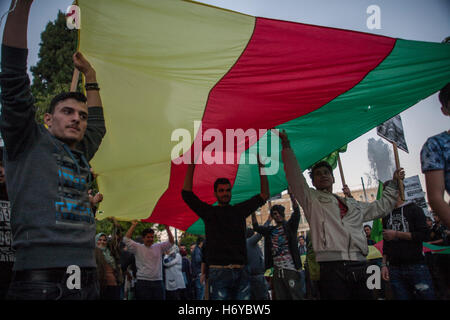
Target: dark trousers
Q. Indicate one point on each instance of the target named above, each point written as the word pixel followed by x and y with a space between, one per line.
pixel 110 293
pixel 150 290
pixel 344 280
pixel 51 284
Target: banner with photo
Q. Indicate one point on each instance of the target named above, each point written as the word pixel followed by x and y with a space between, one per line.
pixel 414 193
pixel 392 130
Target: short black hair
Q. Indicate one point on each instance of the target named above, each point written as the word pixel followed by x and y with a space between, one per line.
pixel 320 164
pixel 278 208
pixel 199 240
pixel 147 231
pixel 221 181
pixel 444 95
pixel 366 225
pixel 64 96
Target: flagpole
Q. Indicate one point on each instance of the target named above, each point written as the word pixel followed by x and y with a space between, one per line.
pixel 397 165
pixel 340 170
pixel 75 77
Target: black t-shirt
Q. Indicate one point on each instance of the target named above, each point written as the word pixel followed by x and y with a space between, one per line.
pixel 407 218
pixel 224 227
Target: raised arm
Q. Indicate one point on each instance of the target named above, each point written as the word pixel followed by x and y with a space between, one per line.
pixel 130 231
pixel 189 178
pixel 17 124
pixel 169 233
pixel 265 193
pixel 294 176
pixel 386 204
pixel 15 32
pixel 96 129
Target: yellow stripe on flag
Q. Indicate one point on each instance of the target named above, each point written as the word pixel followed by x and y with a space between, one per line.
pixel 156 62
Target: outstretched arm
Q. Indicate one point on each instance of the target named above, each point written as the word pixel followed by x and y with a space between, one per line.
pixel 130 231
pixel 189 178
pixel 18 127
pixel 169 233
pixel 265 193
pixel 15 32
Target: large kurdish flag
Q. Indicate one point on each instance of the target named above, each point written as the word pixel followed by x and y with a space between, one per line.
pixel 164 64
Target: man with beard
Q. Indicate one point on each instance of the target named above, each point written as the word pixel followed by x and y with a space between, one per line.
pixel 48 175
pixel 225 230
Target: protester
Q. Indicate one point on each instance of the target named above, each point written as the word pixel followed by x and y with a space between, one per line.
pixel 368 232
pixel 6 250
pixel 196 263
pixel 335 222
pixel 435 161
pixel 149 285
pixel 186 294
pixel 302 249
pixel 48 174
pixel 174 281
pixel 108 268
pixel 281 251
pixel 440 263
pixel 255 264
pixel 225 232
pixel 404 231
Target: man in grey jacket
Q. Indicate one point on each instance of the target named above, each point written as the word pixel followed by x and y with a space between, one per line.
pixel 336 226
pixel 48 175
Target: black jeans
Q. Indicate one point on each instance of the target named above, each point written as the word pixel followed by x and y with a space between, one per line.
pixel 25 286
pixel 344 280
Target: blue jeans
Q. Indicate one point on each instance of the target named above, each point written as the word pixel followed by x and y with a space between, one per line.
pixel 258 287
pixel 229 284
pixel 411 281
pixel 150 290
pixel 199 289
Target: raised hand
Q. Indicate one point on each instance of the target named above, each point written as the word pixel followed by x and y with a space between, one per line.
pixel 83 66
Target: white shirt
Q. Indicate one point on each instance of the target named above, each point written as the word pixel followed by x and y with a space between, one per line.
pixel 148 259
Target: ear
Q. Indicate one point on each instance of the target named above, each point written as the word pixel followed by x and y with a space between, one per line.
pixel 445 111
pixel 48 119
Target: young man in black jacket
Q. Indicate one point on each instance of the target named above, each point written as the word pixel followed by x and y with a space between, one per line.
pixel 281 251
pixel 225 230
pixel 404 231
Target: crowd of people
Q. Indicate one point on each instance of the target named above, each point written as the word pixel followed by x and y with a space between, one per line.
pixel 46 180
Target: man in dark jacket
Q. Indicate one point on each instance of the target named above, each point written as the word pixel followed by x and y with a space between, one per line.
pixel 281 252
pixel 404 231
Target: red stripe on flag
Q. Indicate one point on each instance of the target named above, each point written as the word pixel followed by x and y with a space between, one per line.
pixel 287 70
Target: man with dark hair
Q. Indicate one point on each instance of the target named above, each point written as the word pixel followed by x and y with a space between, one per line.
pixel 149 285
pixel 338 241
pixel 404 231
pixel 281 251
pixel 435 161
pixel 225 233
pixel 49 175
pixel 196 265
pixel 368 232
pixel 259 289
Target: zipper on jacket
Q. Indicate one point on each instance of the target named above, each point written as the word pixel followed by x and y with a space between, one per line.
pixel 324 235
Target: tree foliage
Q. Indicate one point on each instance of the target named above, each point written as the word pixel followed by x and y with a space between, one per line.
pixel 53 72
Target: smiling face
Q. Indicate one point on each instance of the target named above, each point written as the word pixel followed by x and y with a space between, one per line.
pixel 323 179
pixel 101 242
pixel 223 194
pixel 68 122
pixel 148 239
